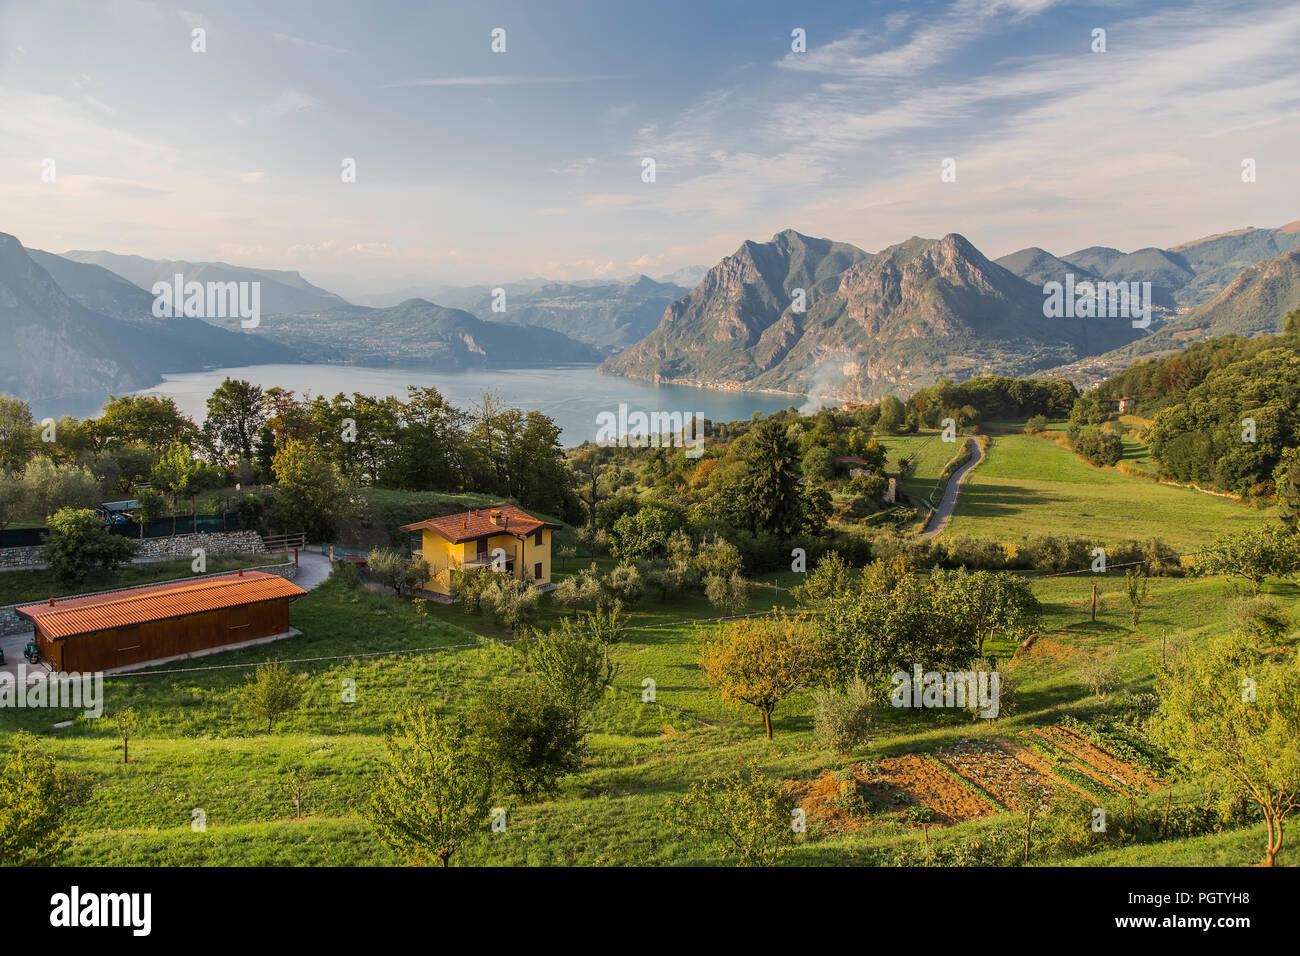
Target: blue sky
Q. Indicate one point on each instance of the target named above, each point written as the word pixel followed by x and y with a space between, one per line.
pixel 474 166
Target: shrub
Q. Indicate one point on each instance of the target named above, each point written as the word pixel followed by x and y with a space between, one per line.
pixel 527 738
pixel 843 718
pixel 1036 424
pixel 79 545
pixel 728 593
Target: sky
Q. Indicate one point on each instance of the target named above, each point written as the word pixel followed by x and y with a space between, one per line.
pixel 475 166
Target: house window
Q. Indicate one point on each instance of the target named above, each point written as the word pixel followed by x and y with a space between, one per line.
pixel 483 550
pixel 537 571
pixel 537 538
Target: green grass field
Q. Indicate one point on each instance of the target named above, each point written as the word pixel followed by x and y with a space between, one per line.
pixel 931 454
pixel 199 751
pixel 1028 485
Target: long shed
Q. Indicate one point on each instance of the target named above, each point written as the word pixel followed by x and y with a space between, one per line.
pixel 119 628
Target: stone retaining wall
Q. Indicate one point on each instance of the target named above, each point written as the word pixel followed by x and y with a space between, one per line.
pixel 174 546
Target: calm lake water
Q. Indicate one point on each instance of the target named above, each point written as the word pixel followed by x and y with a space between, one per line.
pixel 573 396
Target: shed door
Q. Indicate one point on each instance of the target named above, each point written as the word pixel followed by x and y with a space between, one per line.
pixel 129 649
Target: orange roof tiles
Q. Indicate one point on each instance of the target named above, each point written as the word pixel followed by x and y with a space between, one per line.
pixel 469 525
pixel 156 602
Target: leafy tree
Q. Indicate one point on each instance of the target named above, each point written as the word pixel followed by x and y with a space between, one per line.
pixel 1242 744
pixel 728 592
pixel 510 601
pixel 312 494
pixel 36 797
pixel 1097 446
pixel 397 569
pixel 435 791
pixel 1255 554
pixel 1286 479
pixel 888 622
pixel 830 578
pixel 990 601
pixel 17 433
pixel 150 421
pixel 771 497
pixel 52 486
pixel 127 723
pixel 644 533
pixel 271 691
pixel 79 545
pixel 819 463
pixel 891 415
pixel 15 497
pixel 1137 585
pixel 149 506
pixel 746 814
pixel 526 737
pixel 573 670
pixel 1099 675
pixel 760 661
pixel 236 413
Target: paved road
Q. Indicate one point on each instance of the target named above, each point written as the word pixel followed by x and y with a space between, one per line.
pixel 949 500
pixel 313 568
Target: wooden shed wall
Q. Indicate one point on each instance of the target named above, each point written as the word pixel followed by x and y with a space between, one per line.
pixel 118 647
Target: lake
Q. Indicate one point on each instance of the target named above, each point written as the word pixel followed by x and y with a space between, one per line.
pixel 573 395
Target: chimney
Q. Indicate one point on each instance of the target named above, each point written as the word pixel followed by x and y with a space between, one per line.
pixel 51 601
pixel 464 522
pixel 505 521
pixel 241 573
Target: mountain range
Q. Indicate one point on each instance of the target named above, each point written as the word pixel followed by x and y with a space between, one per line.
pixel 925 309
pixel 794 314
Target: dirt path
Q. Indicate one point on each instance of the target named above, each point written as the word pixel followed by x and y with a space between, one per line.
pixel 939 517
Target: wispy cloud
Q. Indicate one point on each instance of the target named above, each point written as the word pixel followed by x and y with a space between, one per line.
pixel 308 44
pixel 503 80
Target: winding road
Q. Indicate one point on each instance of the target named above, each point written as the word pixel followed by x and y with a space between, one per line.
pixel 939 518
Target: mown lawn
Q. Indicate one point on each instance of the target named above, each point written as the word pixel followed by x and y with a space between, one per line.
pixel 1028 486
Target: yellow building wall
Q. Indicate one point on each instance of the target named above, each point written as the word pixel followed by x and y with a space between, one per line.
pixel 442 555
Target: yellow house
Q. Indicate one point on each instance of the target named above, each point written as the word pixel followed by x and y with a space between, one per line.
pixel 474 539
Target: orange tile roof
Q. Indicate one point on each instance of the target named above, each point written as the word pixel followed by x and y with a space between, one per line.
pixel 156 602
pixel 478 523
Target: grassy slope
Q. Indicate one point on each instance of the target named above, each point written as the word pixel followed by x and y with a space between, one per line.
pixel 931 452
pixel 196 750
pixel 1029 485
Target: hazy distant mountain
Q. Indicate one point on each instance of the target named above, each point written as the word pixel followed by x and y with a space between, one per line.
pixel 1038 266
pixel 606 315
pixel 1254 302
pixel 179 344
pixel 1094 259
pixel 891 322
pixel 56 350
pixel 281 291
pixel 1217 260
pixel 688 276
pixel 418 333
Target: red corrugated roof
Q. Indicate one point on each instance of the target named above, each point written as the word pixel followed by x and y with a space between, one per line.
pixel 156 602
pixel 469 525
